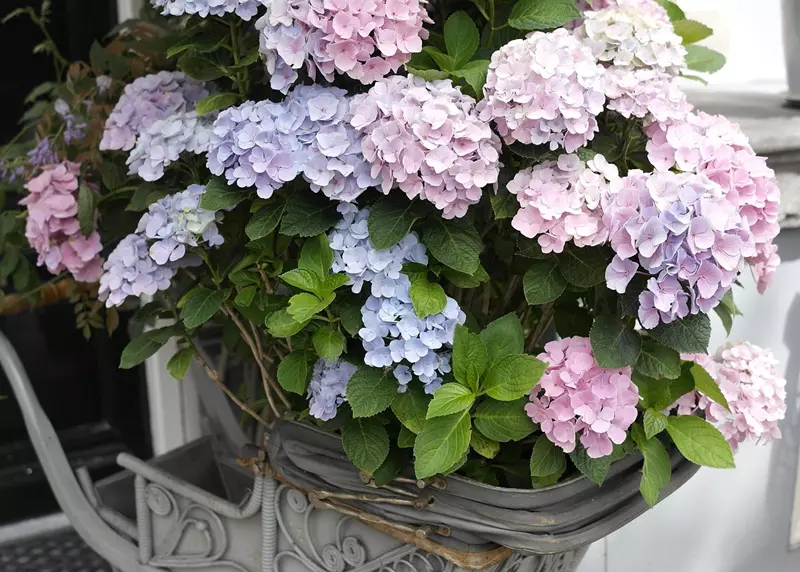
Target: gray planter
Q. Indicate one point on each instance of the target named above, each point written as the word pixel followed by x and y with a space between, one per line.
pixel 198 508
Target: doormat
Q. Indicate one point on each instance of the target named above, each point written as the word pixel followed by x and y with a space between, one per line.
pixel 57 551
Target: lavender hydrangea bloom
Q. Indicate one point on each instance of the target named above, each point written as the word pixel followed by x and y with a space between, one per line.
pixel 130 271
pixel 245 9
pixel 267 144
pixel 163 142
pixel 147 100
pixel 178 221
pixel 328 386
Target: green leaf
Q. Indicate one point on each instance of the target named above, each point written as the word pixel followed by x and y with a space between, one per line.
pixel 245 298
pixel 657 468
pixel 366 443
pixel 265 220
pixel 703 59
pixel 441 444
pixel 405 439
pixel 673 10
pixel 691 31
pixel 504 204
pixel 41 90
pixel 294 371
pixel 390 219
pixel 200 68
pixel 614 345
pixel 504 421
pixel 308 214
pixel 450 398
pixel 428 298
pixel 427 75
pixel 281 324
pixel 513 377
pixel 303 279
pixel 547 458
pixel 216 102
pixel 462 280
pixel 146 344
pixel 725 317
pixel 700 442
pixel 179 363
pixel 543 282
pixel 542 14
pixel 391 468
pixel 112 175
pixel 658 361
pixel 328 343
pixel 503 337
pixel 595 470
pixel 86 210
pixel 144 196
pixel 484 446
pixel 707 385
pixel 483 8
pixel 444 61
pixel 474 73
pixel 316 255
pixel 688 335
pixel 470 357
pixel 583 267
pixel 200 305
pixel 370 391
pixel 659 394
pixel 304 306
pixel 219 196
pixel 654 423
pixel 334 281
pixel 411 407
pixel 350 315
pixel 98 57
pixel 454 243
pixel 461 37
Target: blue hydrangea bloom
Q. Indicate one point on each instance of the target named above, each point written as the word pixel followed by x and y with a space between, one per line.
pixel 130 271
pixel 265 145
pixel 178 221
pixel 328 387
pixel 245 9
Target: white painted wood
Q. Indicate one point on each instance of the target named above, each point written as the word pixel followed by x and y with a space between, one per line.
pixel 127 9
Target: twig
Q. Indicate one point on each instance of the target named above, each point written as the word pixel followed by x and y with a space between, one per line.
pixel 541 326
pixel 263 358
pixel 231 395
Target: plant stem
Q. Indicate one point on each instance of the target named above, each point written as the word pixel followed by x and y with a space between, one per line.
pixel 541 326
pixel 112 194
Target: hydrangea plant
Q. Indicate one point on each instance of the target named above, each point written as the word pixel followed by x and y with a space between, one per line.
pixel 484 237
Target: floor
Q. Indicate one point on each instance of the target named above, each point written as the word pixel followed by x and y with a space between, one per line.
pixel 55 551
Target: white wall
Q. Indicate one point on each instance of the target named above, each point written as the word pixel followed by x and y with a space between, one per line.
pixel 127 9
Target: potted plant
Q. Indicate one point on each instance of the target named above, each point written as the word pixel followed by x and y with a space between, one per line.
pixel 471 249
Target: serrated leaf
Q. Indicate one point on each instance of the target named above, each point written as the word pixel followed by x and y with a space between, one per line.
pixel 304 306
pixel 294 372
pixel 316 255
pixel 265 220
pixel 504 204
pixel 428 298
pixel 450 398
pixel 146 344
pixel 503 337
pixel 583 267
pixel 200 68
pixel 470 357
pixel 504 421
pixel 200 305
pixel 686 335
pixel 86 210
pixel 350 316
pixel 542 14
pixel 461 280
pixel 703 59
pixel 700 442
pixel 454 243
pixel 484 446
pixel 543 282
pixel 614 345
pixel 308 214
pixel 328 343
pixel 547 458
pixel 691 31
pixel 657 468
pixel 659 394
pixel 513 377
pixel 390 220
pixel 444 61
pixel 474 73
pixel 391 468
pixel 216 102
pixel 461 37
pixel 303 279
pixel 366 443
pixel 654 423
pixel 179 363
pixel 674 11
pixel 658 361
pixel 707 385
pixel 595 470
pixel 281 324
pixel 441 444
pixel 245 297
pixel 405 439
pixel 411 407
pixel 219 196
pixel 370 391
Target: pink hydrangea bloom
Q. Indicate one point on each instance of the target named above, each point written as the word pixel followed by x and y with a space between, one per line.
pixel 426 139
pixel 756 393
pixel 545 89
pixel 559 202
pixel 52 228
pixel 683 232
pixel 577 396
pixel 635 34
pixel 643 92
pixel 713 146
pixel 364 39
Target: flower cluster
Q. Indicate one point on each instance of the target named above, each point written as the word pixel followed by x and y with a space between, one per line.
pixel 364 39
pixel 683 232
pixel 163 142
pixel 559 201
pixel 643 92
pixel 753 388
pixel 545 89
pixel 245 9
pixel 577 396
pixel 426 139
pixel 42 154
pixel 269 144
pixel 145 101
pixel 713 146
pixel 633 33
pixel 74 130
pixel 328 387
pixel 146 262
pixel 388 313
pixel 52 228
